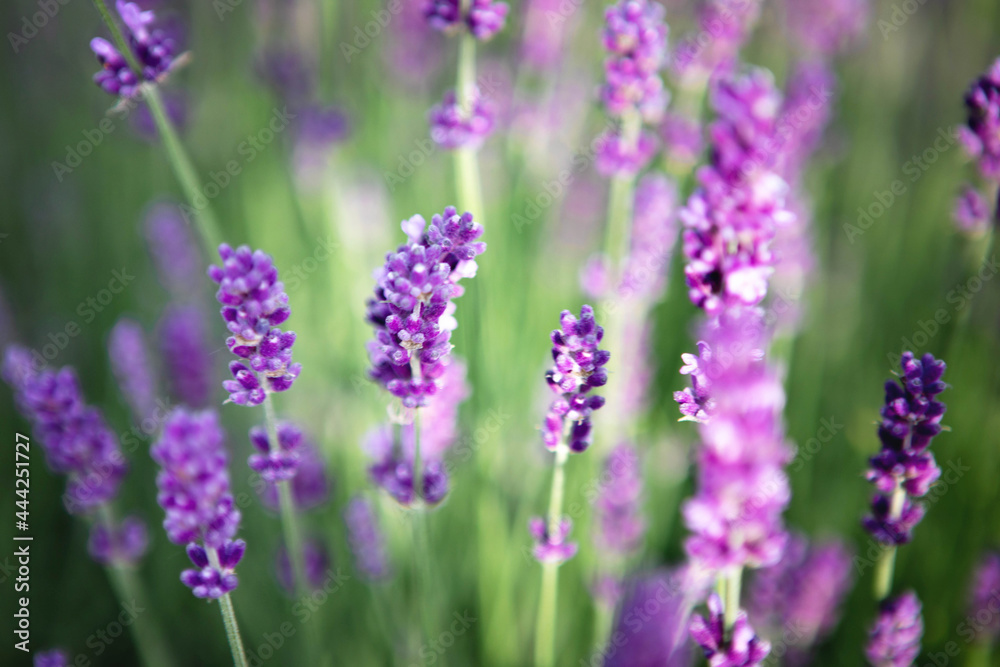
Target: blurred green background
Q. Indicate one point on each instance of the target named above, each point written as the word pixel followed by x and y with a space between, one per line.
pixel 61 238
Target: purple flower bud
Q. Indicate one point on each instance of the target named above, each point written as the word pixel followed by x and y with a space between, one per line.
pixel 317 566
pixel 972 212
pixel 310 485
pixel 186 357
pixel 454 127
pixel 174 251
pixel 635 37
pixel 193 481
pixel 124 544
pixel 366 540
pixel 662 601
pixel 281 462
pixel 614 158
pixel 131 366
pixel 207 580
pixel 894 640
pixel 392 468
pixel 984 596
pixel 53 658
pixel 154 51
pixel 551 545
pixel 619 522
pixel 579 367
pixel 484 18
pixel 743 648
pixel 981 136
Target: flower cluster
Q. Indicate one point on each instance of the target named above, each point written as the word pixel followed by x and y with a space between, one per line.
pixel 827 27
pixel 904 469
pixel 743 648
pixel 732 216
pixel 365 539
pixel 983 597
pixel 187 359
pixel 579 367
pixel 453 126
pixel 981 135
pixel 254 303
pixel 696 402
pixel 803 590
pixel 132 368
pixel 551 545
pixel 316 561
pixel 635 37
pixel 310 486
pixel 894 641
pixel 484 18
pixel 413 308
pixel 281 462
pixel 153 49
pixel 742 490
pixel 176 256
pixel 392 467
pixel 122 544
pixel 75 438
pixel 618 518
pixel 194 492
pixel 727 25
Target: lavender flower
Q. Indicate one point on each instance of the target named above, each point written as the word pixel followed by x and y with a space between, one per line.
pixel 366 540
pixel 153 49
pixel 682 138
pixel 802 591
pixel 724 26
pixel 742 490
pixel 743 648
pixel 124 544
pixel 981 135
pixel 542 40
pixel 413 309
pixel 972 212
pixel 174 251
pixel 316 561
pixel 186 357
pixel 281 462
pixel 894 641
pixel 76 440
pixel 696 402
pixel 653 620
pixel 619 522
pixel 454 127
pixel 579 367
pixel 484 18
pixel 310 485
pixel 983 598
pixel 904 469
pixel 254 303
pixel 654 232
pixel 551 545
pixel 53 658
pixel 732 217
pixel 392 467
pixel 616 157
pixel 131 366
pixel 826 27
pixel 194 492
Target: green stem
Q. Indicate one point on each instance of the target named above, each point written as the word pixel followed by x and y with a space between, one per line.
pixel 128 587
pixel 733 583
pixel 545 631
pixel 118 37
pixel 229 620
pixel 183 170
pixel 886 564
pixel 468 183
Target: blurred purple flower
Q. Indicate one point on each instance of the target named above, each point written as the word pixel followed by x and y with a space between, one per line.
pixel 186 357
pixel 984 598
pixel 144 124
pixel 123 544
pixel 392 467
pixel 619 524
pixel 132 368
pixel 981 135
pixel 51 658
pixel 894 640
pixel 827 27
pixel 366 540
pixel 651 627
pixel 280 463
pixel 154 52
pixel 972 211
pixel 316 559
pixel 739 647
pixel 484 18
pixel 174 250
pixel 453 127
pixel 615 158
pixel 311 484
pixel 551 545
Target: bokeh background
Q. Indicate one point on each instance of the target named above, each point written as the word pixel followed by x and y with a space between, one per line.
pixel 63 234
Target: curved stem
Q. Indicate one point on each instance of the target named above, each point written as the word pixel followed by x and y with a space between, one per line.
pixel 208 227
pixel 545 630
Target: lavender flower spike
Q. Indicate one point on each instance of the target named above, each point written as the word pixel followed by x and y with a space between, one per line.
pixel 194 492
pixel 453 127
pixel 154 52
pixel 894 641
pixel 278 463
pixel 981 135
pixel 743 648
pixel 413 308
pixel 483 18
pixel 653 621
pixel 579 367
pixel 174 250
pixel 183 343
pixel 124 544
pixel 551 546
pixel 904 470
pixel 984 597
pixel 254 303
pixel 53 658
pixel 132 368
pixel 366 540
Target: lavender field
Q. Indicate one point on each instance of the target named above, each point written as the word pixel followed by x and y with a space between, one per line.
pixel 538 333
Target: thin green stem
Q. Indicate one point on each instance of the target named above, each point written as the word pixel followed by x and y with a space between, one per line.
pixel 207 225
pixel 883 573
pixel 229 618
pixel 545 631
pixel 149 642
pixel 468 183
pixel 733 583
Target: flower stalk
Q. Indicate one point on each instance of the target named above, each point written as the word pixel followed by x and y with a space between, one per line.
pixel 545 633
